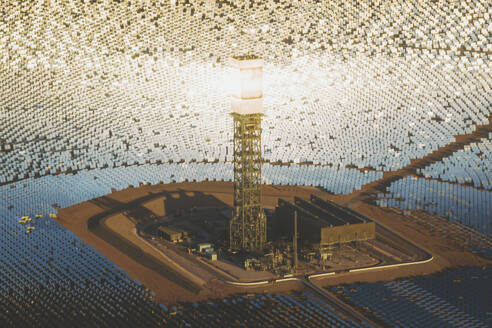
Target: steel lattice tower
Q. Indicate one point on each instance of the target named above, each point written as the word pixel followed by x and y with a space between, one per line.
pixel 248 225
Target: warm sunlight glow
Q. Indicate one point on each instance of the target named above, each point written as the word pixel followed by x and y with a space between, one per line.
pixel 246 84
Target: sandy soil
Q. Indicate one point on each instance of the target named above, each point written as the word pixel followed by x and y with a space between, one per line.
pixel 126 229
pixel 171 287
pixel 445 254
pixel 164 280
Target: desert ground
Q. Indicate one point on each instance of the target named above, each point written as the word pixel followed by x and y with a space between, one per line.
pixel 172 284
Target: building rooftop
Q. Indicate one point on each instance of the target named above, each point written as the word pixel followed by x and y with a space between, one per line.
pixel 326 213
pixel 325 216
pixel 170 230
pixel 343 213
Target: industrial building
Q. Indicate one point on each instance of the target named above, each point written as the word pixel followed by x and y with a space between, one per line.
pixel 321 223
pixel 171 233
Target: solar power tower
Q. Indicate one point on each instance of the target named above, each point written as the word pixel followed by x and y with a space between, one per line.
pixel 248 226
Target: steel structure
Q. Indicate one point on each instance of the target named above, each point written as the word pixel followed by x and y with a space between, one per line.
pixel 248 225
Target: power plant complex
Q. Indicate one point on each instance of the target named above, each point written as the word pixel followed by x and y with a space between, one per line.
pixel 246 163
pixel 318 223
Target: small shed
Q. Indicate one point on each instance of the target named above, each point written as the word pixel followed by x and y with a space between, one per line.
pixel 169 233
pixel 203 246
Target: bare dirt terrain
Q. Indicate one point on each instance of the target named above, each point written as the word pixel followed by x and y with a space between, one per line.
pixel 446 254
pixel 138 260
pixel 446 251
pixel 165 277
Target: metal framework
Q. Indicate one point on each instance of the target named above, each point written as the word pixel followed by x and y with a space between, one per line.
pixel 248 226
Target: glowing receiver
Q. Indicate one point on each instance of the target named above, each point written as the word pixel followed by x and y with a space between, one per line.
pixel 247 94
